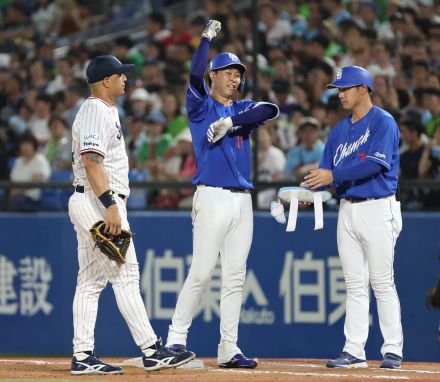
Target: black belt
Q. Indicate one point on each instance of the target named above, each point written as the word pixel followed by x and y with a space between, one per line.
pixel 80 189
pixel 360 200
pixel 233 189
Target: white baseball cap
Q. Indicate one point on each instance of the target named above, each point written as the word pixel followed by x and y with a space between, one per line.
pixel 140 94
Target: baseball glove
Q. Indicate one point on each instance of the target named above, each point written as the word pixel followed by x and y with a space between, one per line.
pixel 114 247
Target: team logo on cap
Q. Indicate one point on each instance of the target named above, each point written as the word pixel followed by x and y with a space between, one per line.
pixel 233 57
pixel 339 74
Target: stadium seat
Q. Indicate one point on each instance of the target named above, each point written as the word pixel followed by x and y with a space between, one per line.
pixel 57 199
pixel 138 196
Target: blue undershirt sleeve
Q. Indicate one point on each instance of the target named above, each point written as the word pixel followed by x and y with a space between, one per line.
pixel 254 116
pixel 198 66
pixel 360 170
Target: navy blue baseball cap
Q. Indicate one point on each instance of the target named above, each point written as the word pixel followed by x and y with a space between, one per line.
pixel 105 66
pixel 352 76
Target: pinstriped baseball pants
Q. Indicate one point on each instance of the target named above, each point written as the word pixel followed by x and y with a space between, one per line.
pixel 96 270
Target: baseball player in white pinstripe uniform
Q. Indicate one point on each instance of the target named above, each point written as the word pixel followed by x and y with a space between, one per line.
pixel 100 166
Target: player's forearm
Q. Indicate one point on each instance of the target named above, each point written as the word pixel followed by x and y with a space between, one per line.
pixel 358 171
pixel 198 65
pixel 98 179
pixel 255 116
pixel 96 173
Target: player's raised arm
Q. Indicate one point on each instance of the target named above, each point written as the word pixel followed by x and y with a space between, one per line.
pixel 200 57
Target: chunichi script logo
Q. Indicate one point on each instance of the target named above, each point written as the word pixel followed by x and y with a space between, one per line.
pixel 345 149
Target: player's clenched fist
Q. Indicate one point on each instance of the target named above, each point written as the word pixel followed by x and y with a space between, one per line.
pixel 212 29
pixel 218 129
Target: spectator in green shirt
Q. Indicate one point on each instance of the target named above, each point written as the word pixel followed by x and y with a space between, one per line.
pixel 176 121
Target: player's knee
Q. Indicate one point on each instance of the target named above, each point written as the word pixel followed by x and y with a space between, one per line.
pixel 356 285
pixel 90 287
pixel 199 279
pixel 234 280
pixel 382 286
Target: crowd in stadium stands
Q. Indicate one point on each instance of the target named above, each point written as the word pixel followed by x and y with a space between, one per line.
pixel 301 43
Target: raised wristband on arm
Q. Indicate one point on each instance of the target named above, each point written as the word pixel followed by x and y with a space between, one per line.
pixel 107 198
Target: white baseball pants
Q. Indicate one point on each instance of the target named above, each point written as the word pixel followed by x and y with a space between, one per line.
pixel 96 269
pixel 366 236
pixel 222 223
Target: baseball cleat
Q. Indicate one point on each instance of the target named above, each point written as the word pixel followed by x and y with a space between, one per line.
pixel 92 365
pixel 391 361
pixel 239 361
pixel 346 360
pixel 162 357
pixel 177 348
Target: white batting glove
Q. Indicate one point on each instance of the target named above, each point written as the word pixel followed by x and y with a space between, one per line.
pixel 218 129
pixel 277 211
pixel 212 29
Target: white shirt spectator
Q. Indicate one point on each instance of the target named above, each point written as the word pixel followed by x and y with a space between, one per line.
pixel 39 127
pixel 25 171
pixel 271 163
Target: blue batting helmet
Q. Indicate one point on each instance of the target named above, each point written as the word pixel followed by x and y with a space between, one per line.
pixel 226 60
pixel 352 76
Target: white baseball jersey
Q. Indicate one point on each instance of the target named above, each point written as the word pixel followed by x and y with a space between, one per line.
pixel 97 129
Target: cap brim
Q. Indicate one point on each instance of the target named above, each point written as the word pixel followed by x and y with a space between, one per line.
pixel 339 84
pixel 127 68
pixel 240 67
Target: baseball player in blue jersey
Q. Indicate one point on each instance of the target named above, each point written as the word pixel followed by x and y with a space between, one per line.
pixel 361 160
pixel 222 207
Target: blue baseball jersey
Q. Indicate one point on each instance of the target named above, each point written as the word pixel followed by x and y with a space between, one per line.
pixel 375 137
pixel 226 163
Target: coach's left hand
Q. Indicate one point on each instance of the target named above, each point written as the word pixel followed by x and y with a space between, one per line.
pixel 218 129
pixel 317 178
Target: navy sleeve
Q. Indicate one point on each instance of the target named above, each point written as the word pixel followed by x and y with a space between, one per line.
pixel 198 66
pixel 260 113
pixel 360 170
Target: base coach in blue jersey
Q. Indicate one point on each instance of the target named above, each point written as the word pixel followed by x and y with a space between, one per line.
pixel 361 160
pixel 222 206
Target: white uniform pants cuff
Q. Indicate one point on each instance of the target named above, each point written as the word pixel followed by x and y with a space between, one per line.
pixel 175 337
pixel 226 351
